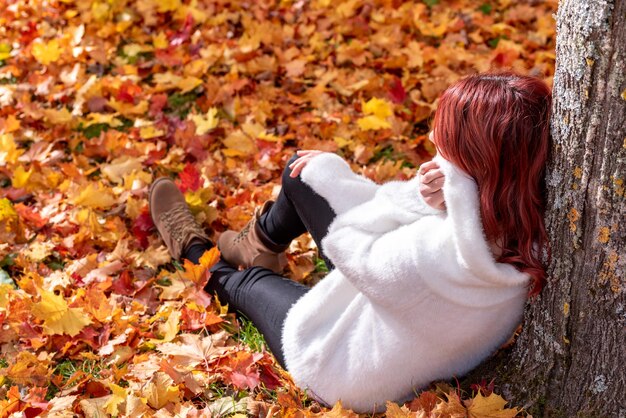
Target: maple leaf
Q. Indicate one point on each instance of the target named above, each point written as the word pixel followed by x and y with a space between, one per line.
pixel 197 273
pixel 378 110
pixel 150 132
pixel 491 406
pixel 5 51
pixel 29 369
pixel 425 402
pixel 191 350
pixel 396 91
pixel 395 411
pixel 160 391
pixel 118 395
pixel 58 117
pixel 6 210
pixel 205 123
pixel 95 197
pixel 9 152
pixel 241 370
pixel 57 316
pixel 451 407
pixel 46 52
pixel 338 411
pixel 238 144
pixel 120 167
pixel 189 179
pixel 142 227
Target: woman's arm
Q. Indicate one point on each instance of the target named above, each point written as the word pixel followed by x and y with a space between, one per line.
pixel 331 177
pixel 384 267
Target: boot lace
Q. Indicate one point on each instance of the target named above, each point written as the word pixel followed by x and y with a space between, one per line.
pixel 243 233
pixel 180 223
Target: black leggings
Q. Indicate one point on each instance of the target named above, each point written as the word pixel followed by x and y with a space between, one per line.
pixel 258 293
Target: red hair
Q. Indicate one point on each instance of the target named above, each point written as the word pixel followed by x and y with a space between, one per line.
pixel 496 128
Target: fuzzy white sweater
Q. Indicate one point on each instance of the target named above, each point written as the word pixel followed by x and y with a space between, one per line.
pixel 415 296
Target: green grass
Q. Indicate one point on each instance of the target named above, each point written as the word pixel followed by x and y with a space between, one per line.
pixel 249 335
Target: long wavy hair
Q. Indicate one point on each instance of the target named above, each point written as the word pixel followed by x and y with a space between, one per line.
pixel 495 127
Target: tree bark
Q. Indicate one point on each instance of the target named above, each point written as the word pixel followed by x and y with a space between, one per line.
pixel 570 359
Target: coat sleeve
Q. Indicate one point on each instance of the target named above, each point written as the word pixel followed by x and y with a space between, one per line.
pixel 384 267
pixel 331 177
pixel 378 245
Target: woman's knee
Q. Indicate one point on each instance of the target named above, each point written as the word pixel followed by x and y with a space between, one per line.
pixel 290 183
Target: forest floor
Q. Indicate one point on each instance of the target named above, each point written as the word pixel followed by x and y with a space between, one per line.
pixel 99 98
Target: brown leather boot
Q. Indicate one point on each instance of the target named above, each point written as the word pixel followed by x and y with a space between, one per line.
pixel 172 217
pixel 251 247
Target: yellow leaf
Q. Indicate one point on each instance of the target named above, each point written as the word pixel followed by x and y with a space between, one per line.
pixel 160 391
pixel 46 53
pixel 6 209
pixel 149 132
pixel 57 316
pixel 108 119
pixel 167 5
pixel 378 107
pixel 198 15
pixel 95 196
pixel 268 137
pixel 132 50
pixel 121 167
pixel 491 406
pixel 39 251
pixel 170 328
pixel 378 110
pixel 9 152
pixel 372 123
pixel 160 41
pixel 11 124
pixel 118 395
pixel 343 142
pixel 209 258
pixel 452 407
pixel 204 123
pixel 5 50
pixel 338 411
pixel 58 117
pixel 395 411
pixel 140 108
pixel 20 177
pixel 188 83
pixel 238 144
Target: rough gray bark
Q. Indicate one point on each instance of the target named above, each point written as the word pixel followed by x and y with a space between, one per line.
pixel 570 359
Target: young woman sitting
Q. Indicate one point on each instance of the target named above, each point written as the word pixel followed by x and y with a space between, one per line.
pixel 428 277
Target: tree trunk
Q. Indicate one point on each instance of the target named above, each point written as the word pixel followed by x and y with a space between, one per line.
pixel 570 359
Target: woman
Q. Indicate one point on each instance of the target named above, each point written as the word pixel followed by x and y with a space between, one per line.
pixel 428 276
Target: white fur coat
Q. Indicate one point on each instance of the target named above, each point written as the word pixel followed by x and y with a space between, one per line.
pixel 415 295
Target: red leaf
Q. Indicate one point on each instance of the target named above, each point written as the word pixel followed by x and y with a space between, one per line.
pixel 396 91
pixel 425 402
pixel 157 103
pixel 127 92
pixel 124 284
pixel 142 227
pixel 189 179
pixel 242 372
pixel 270 379
pixel 30 216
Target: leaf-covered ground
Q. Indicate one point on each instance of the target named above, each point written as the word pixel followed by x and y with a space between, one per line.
pixel 99 98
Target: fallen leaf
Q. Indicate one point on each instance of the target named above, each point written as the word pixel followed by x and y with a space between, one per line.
pixel 491 406
pixel 57 316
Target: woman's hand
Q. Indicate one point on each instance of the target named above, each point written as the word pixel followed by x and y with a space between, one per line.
pixel 304 156
pixel 431 183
